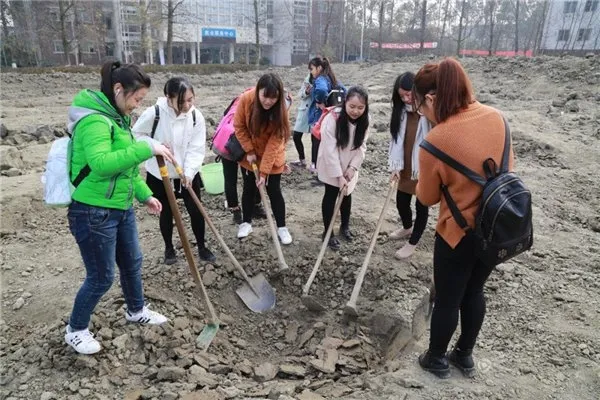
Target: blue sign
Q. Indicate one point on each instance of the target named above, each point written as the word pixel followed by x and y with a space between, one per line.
pixel 218 33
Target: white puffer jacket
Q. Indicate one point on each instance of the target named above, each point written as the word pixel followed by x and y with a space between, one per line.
pixel 188 142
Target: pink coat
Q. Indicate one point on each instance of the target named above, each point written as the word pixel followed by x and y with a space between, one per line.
pixel 332 161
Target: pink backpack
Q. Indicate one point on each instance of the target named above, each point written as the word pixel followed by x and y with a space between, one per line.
pixel 225 129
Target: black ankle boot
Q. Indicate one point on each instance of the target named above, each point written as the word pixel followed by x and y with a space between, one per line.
pixel 435 364
pixel 463 360
pixel 170 256
pixel 346 233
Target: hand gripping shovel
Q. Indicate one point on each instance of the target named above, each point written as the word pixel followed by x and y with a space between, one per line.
pixel 350 309
pixel 263 197
pixel 210 329
pixel 256 293
pixel 309 301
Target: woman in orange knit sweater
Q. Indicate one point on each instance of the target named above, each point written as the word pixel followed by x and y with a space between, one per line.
pixel 470 133
pixel 262 127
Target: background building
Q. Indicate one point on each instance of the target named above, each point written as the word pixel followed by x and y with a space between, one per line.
pixel 572 26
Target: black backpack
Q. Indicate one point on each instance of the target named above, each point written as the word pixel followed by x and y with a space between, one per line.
pixel 503 223
pixel 157 118
pixel 336 96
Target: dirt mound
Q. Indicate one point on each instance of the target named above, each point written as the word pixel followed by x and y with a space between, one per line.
pixel 540 337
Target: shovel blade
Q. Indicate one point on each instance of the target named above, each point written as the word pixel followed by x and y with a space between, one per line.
pixel 206 337
pixel 312 304
pixel 263 300
pixel 421 316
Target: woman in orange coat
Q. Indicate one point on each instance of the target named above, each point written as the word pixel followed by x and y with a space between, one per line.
pixel 262 127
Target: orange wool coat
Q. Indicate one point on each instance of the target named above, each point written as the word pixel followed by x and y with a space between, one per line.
pixel 268 145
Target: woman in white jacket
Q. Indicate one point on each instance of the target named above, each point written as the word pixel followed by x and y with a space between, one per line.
pixel 341 153
pixel 176 123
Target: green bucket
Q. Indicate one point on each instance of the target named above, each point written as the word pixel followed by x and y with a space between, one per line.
pixel 212 177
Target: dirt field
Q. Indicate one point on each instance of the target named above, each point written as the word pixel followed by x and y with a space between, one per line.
pixel 540 340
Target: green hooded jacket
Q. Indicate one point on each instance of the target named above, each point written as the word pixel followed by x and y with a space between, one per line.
pixel 102 139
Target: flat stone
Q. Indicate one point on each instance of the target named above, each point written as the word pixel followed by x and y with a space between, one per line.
pixel 134 395
pixel 181 323
pixel 209 278
pixel 305 337
pixel 170 374
pixel 331 342
pixel 20 302
pixel 121 341
pixel 307 394
pixel 48 396
pixel 293 370
pixel 291 333
pixel 348 344
pixel 327 364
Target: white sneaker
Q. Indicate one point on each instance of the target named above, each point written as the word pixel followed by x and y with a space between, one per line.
pixel 146 316
pixel 244 230
pixel 406 251
pixel 284 235
pixel 401 233
pixel 82 341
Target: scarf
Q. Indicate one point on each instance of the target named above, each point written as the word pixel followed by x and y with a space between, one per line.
pixel 396 152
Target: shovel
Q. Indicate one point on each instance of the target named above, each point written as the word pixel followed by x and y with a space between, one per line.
pixel 256 293
pixel 263 197
pixel 210 329
pixel 422 315
pixel 350 309
pixel 309 301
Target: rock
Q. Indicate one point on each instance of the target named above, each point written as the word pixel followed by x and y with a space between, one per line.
pixel 181 323
pixel 120 342
pixel 44 131
pixel 169 396
pixel 134 395
pixel 230 392
pixel 506 268
pixel 307 394
pixel 409 383
pixel 331 342
pixel 203 395
pixel 105 333
pixel 305 337
pixel 558 103
pixel 293 370
pixel 220 369
pixel 47 395
pixel 3 134
pixel 291 333
pixel 327 364
pixel 572 106
pixel 348 344
pixel 10 157
pixel 265 372
pixel 209 278
pixel 12 172
pixel 170 374
pixel 18 304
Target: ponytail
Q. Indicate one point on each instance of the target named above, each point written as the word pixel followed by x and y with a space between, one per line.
pixel 326 68
pixel 131 76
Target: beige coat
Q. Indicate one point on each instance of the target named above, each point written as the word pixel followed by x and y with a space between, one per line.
pixel 332 161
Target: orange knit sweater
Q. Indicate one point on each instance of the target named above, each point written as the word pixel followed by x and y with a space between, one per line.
pixel 470 137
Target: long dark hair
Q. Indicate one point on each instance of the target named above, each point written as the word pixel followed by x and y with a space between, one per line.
pixel 342 134
pixel 277 114
pixel 404 82
pixel 177 88
pixel 324 63
pixel 131 76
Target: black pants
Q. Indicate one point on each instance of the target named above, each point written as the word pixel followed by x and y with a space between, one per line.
pixel 166 215
pixel 230 175
pixel 459 277
pixel 273 190
pixel 403 204
pixel 299 145
pixel 314 149
pixel 328 205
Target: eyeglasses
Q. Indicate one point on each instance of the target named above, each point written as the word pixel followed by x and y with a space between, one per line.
pixel 418 109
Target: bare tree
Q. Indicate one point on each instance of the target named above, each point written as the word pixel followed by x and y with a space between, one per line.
pixel 445 21
pixel 491 19
pixel 517 8
pixel 423 24
pixel 461 32
pixel 172 6
pixel 381 14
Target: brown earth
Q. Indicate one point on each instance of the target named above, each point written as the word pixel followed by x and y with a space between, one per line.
pixel 541 337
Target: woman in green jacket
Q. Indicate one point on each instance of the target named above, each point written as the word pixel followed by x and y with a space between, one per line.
pixel 104 170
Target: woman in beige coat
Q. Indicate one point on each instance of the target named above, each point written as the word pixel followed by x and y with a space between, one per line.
pixel 341 153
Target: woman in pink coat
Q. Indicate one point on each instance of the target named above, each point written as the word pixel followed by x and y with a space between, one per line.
pixel 341 153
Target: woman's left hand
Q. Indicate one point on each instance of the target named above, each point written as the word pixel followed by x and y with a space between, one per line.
pixel 153 205
pixel 260 181
pixel 349 174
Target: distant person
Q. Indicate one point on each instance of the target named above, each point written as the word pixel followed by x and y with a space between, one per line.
pixel 342 151
pixel 324 82
pixel 408 129
pixel 181 127
pixel 470 133
pixel 262 127
pixel 104 170
pixel 301 126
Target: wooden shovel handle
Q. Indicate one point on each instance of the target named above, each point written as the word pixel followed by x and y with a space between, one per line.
pixel 315 269
pixel 164 173
pixel 213 228
pixel 365 265
pixel 263 197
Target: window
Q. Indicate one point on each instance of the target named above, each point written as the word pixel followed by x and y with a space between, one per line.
pixel 85 17
pixel 570 7
pixel 54 14
pixel 584 35
pixel 88 48
pixel 110 49
pixel 108 22
pixel 58 47
pixel 563 35
pixel 591 5
pixel 270 30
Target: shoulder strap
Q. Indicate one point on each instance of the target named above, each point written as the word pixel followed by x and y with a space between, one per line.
pixel 506 152
pixel 456 214
pixel 85 171
pixel 194 117
pixel 446 159
pixel 156 119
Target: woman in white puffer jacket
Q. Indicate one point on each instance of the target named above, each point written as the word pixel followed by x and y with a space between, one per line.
pixel 175 122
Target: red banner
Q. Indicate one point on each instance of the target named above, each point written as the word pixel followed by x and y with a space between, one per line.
pixel 502 53
pixel 404 46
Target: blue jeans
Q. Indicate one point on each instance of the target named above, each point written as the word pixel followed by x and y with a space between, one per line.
pixel 105 236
